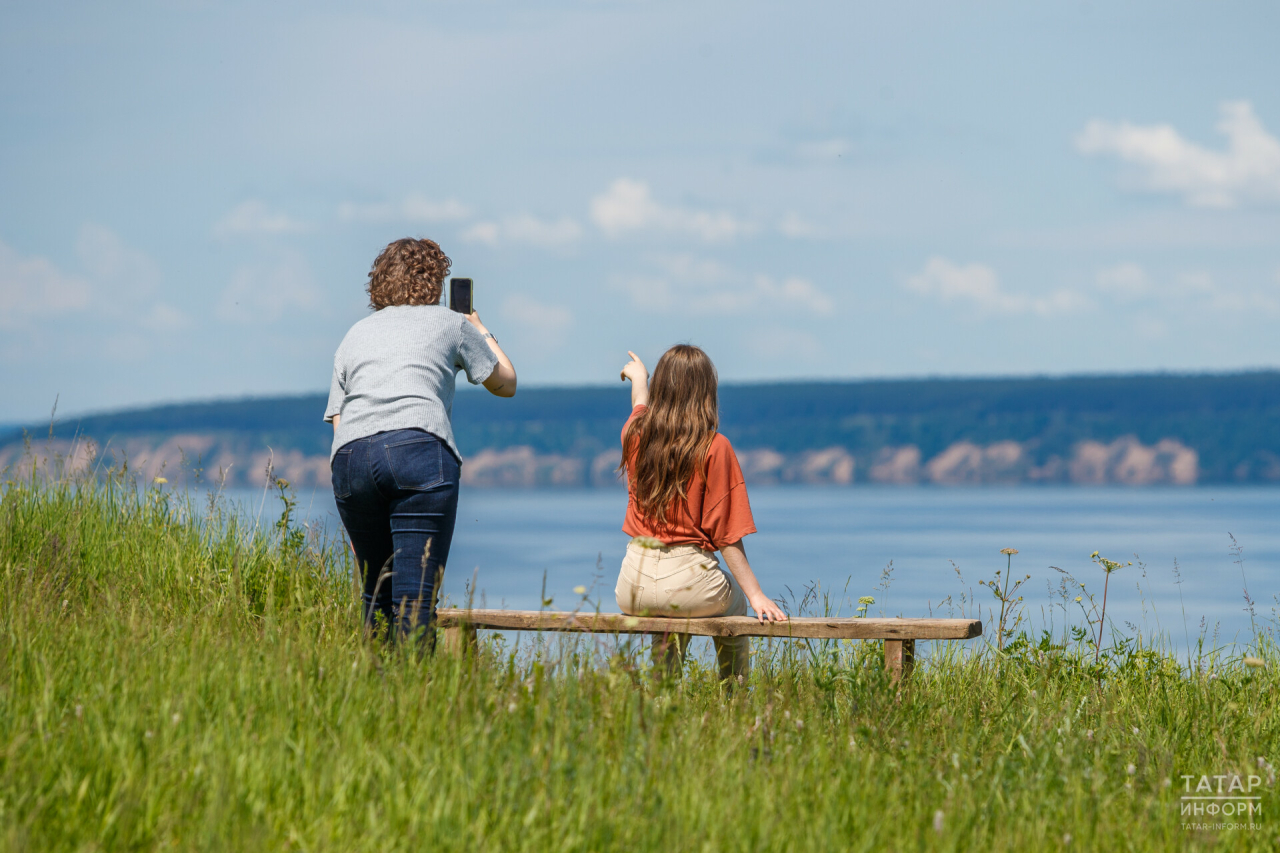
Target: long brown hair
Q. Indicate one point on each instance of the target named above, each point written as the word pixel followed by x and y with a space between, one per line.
pixel 670 440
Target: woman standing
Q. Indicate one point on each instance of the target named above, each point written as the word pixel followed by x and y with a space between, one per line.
pixel 394 461
pixel 686 499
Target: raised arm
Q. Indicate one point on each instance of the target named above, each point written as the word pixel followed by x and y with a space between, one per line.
pixel 766 608
pixel 502 382
pixel 639 376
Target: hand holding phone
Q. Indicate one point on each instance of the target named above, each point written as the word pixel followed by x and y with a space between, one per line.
pixel 461 295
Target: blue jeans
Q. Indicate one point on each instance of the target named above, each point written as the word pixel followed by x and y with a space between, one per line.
pixel 397 494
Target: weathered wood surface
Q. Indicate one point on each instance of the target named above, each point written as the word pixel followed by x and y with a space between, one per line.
pixel 900 657
pixel 848 628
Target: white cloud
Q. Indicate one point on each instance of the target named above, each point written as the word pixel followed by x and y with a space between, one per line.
pixel 703 286
pixel 163 317
pixel 823 149
pixel 33 286
pixel 525 230
pixel 120 273
pixel 415 207
pixel 535 323
pixel 978 285
pixel 482 232
pixel 264 293
pixel 253 217
pixel 117 285
pixel 627 206
pixel 1248 170
pixel 793 225
pixel 1189 293
pixel 1125 282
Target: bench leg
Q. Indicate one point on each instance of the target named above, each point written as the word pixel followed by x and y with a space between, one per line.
pixel 899 658
pixel 459 639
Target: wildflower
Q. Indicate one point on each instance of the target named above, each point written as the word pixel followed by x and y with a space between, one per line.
pixel 1077 599
pixel 1254 662
pixel 149 734
pixel 1167 783
pixel 1131 770
pixel 1088 735
pixel 176 718
pixel 1135 730
pixel 160 481
pixel 580 590
pixel 80 713
pixel 937 821
pixel 1066 839
pixel 511 708
pixel 1009 551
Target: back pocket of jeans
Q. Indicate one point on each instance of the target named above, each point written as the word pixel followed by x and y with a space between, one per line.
pixel 416 464
pixel 340 474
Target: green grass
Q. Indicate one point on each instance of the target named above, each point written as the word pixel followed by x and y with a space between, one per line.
pixel 172 677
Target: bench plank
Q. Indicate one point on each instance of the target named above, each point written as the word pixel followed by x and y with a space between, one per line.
pixel 820 628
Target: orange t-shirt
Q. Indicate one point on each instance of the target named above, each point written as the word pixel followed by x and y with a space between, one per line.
pixel 717 513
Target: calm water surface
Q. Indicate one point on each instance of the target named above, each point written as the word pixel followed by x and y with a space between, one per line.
pixel 845 539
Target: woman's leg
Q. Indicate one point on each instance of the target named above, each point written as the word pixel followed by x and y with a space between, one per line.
pixel 424 484
pixel 364 514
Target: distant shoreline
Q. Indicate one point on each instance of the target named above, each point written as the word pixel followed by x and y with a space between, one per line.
pixel 1150 429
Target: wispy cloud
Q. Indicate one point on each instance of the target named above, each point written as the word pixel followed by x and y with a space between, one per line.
pixel 796 227
pixel 823 149
pixel 537 324
pixel 1125 282
pixel 628 207
pixel 1189 293
pixel 525 230
pixel 255 218
pixel 704 286
pixel 32 286
pixel 1164 161
pixel 414 207
pixel 264 293
pixel 979 286
pixel 116 284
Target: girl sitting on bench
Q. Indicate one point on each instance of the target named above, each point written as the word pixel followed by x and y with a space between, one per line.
pixel 686 500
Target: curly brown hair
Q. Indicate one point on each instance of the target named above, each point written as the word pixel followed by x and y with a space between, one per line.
pixel 408 272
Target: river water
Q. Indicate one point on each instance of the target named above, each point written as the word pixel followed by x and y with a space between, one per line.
pixel 916 550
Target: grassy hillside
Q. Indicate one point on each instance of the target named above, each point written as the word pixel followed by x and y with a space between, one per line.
pixel 172 677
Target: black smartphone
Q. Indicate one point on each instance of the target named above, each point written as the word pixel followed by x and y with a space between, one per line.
pixel 460 295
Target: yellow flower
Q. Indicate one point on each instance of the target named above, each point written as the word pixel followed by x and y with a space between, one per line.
pixel 1254 662
pixel 580 590
pixel 160 480
pixel 1008 550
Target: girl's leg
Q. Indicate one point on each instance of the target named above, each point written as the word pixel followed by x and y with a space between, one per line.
pixel 667 653
pixel 734 653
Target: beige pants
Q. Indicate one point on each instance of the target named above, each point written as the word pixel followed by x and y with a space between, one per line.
pixel 683 580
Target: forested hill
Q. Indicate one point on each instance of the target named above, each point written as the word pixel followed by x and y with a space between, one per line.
pixel 1220 428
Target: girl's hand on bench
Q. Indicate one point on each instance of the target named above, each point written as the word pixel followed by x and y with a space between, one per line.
pixel 767 609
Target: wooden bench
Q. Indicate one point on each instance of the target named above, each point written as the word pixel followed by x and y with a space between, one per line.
pixel 899 635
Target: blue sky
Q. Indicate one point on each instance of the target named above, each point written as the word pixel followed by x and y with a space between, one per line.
pixel 193 192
